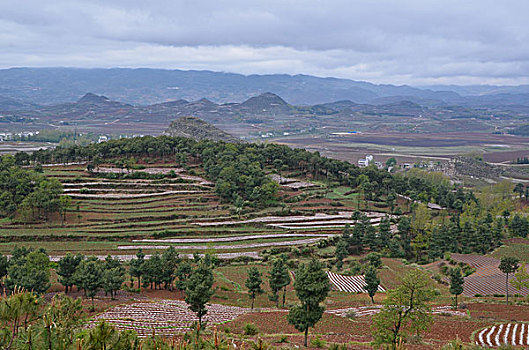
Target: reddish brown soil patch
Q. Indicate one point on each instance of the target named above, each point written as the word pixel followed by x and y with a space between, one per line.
pixel 516 240
pixel 499 312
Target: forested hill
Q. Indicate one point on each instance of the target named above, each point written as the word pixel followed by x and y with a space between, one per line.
pixel 240 171
pixel 197 129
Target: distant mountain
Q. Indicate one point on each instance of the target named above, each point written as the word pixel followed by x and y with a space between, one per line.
pixel 11 104
pixel 260 114
pixel 154 86
pixel 198 129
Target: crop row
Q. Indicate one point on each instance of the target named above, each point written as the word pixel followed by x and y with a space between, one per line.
pixel 515 334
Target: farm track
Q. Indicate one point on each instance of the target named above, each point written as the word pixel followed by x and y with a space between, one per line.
pixel 128 257
pixel 228 239
pixel 226 247
pixel 125 196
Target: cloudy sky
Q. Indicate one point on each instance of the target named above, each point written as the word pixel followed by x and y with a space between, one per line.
pixel 400 41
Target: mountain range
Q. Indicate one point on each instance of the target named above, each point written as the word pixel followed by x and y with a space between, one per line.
pixel 266 113
pixel 23 88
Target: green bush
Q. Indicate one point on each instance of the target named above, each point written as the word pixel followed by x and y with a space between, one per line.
pixel 250 329
pixel 318 342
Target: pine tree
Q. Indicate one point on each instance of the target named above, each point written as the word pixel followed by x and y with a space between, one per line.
pixel 170 261
pixel 30 271
pixel 456 283
pixel 182 273
pixel 507 266
pixel 4 264
pixel 384 233
pixel 113 276
pixel 312 287
pixel 341 252
pixel 253 283
pixel 370 238
pixel 278 278
pixel 372 281
pixel 497 232
pixel 136 267
pixel 199 289
pixel 89 277
pixel 66 267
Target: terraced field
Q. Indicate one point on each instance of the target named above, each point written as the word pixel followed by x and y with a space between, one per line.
pixel 351 284
pixel 515 334
pixel 488 279
pixel 165 317
pixel 115 214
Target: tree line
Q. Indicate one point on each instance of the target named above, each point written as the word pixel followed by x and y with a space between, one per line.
pixel 28 194
pixel 240 170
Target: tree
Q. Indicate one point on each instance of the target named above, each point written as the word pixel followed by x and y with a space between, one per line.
pixel 113 276
pixel 182 273
pixel 253 283
pixel 66 267
pixel 199 289
pixel 405 310
pixel 391 162
pixel 279 277
pixel 507 266
pixel 341 252
pixel 30 271
pixel 89 277
pixel 60 319
pixel 456 283
pixel 374 260
pixel 372 281
pixel 16 313
pixel 4 264
pixel 170 261
pixel 521 278
pixel 312 287
pixel 518 188
pixel 136 267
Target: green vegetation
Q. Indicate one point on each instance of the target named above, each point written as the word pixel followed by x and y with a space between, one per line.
pixel 508 265
pixel 312 287
pixel 253 283
pixel 405 311
pixel 456 283
pixel 28 194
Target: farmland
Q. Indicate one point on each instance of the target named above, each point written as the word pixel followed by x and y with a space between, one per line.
pixel 364 229
pixel 488 279
pixel 120 216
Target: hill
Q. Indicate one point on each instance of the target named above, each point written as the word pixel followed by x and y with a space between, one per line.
pixel 198 129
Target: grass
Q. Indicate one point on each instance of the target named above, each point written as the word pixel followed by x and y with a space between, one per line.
pixel 517 250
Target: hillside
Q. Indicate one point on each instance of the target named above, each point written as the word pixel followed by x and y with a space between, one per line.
pixel 198 129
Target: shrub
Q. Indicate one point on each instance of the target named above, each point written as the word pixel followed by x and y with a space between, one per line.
pixel 283 339
pixel 318 342
pixel 250 329
pixel 350 314
pixel 336 346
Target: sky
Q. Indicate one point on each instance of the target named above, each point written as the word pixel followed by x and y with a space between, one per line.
pixel 416 42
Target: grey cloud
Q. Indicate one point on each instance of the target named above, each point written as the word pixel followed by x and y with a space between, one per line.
pixel 394 41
